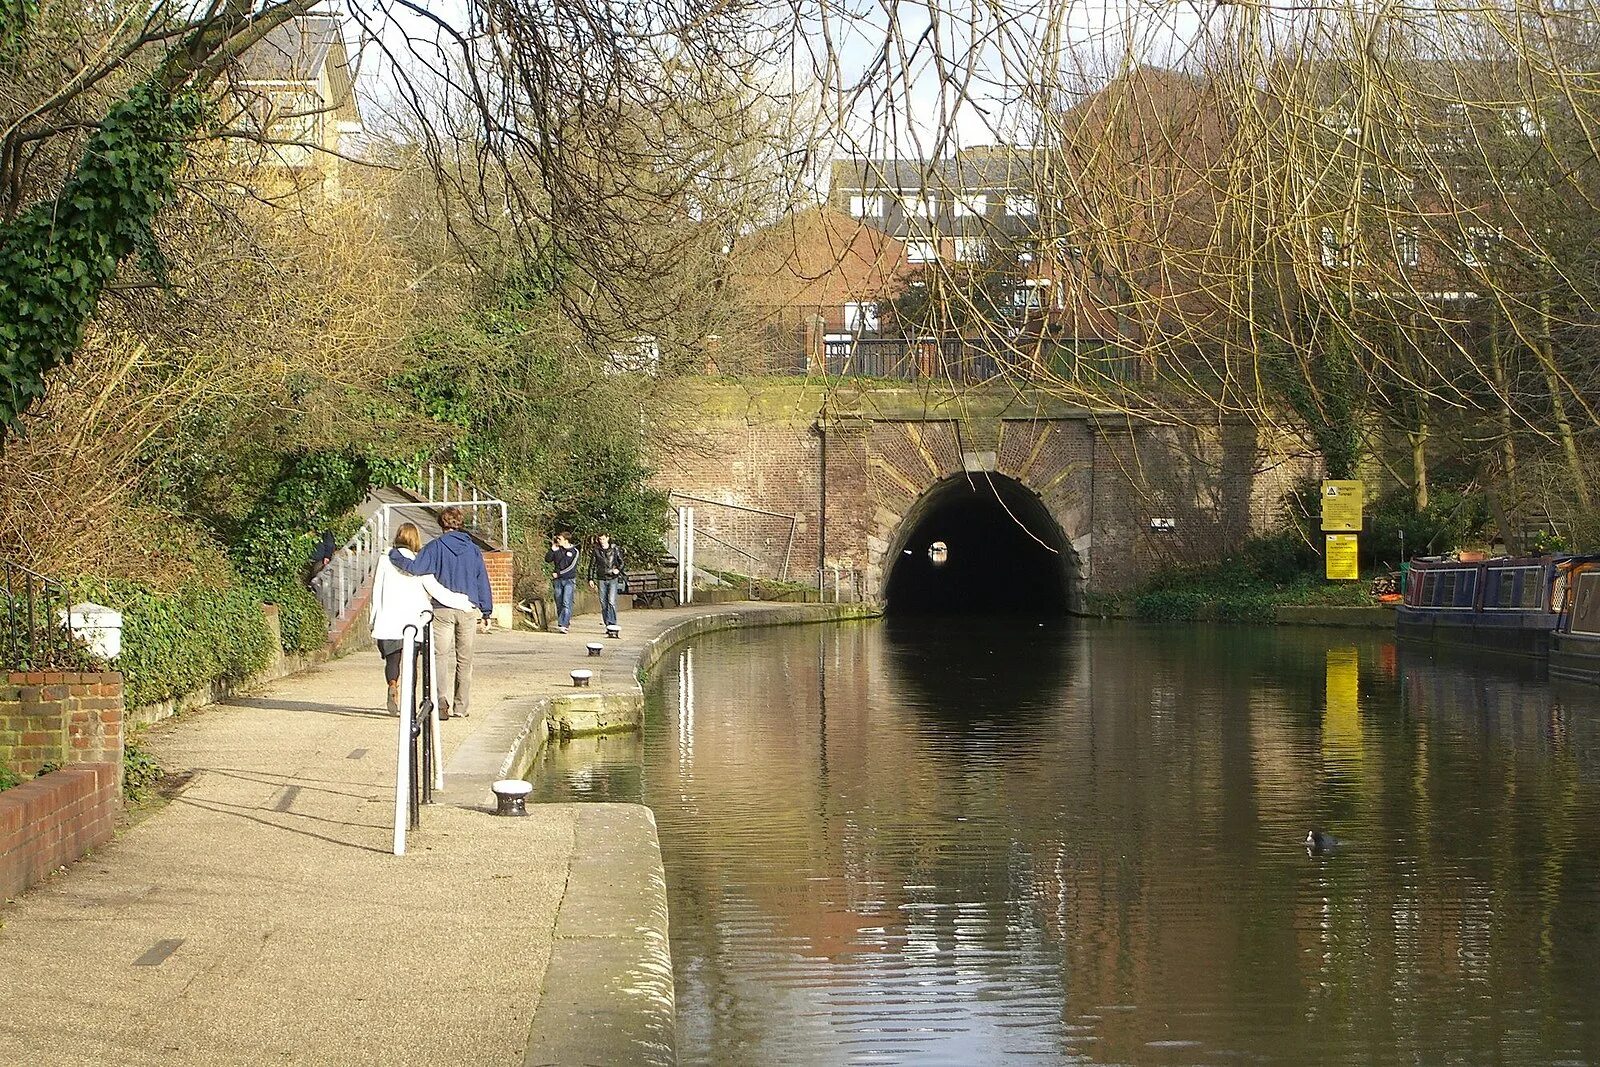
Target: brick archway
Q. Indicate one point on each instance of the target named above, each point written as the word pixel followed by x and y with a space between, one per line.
pixel 1047 466
pixel 1022 530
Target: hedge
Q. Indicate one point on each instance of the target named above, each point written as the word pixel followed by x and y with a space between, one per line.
pixel 181 641
pixel 302 622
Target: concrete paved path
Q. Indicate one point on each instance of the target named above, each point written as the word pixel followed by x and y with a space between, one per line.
pixel 259 918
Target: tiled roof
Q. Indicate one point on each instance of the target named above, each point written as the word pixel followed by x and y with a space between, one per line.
pixel 295 51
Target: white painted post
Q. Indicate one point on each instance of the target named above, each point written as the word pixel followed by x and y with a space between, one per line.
pixel 402 762
pixel 681 549
pixel 688 564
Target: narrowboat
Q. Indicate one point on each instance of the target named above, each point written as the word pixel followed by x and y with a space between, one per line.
pixel 1576 651
pixel 1506 604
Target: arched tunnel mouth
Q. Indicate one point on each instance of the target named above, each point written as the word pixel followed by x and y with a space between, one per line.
pixel 984 543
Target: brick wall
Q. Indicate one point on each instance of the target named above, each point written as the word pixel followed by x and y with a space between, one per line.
pixel 501 584
pixel 1103 479
pixel 54 820
pixel 60 718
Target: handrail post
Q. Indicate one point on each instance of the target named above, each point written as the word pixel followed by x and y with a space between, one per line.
pixel 402 773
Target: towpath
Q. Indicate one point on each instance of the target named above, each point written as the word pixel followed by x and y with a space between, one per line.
pixel 259 917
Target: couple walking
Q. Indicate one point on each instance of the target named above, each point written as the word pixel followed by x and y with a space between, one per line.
pixel 607 573
pixel 448 578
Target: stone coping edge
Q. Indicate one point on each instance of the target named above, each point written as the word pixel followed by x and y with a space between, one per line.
pixel 723 618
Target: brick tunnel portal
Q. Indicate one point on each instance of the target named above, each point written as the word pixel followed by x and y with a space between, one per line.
pixel 980 542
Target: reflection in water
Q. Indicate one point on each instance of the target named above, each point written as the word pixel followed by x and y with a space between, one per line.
pixel 922 843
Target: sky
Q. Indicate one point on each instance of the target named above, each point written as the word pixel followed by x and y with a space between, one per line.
pixel 910 78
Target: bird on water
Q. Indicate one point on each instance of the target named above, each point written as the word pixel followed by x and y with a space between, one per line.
pixel 1319 842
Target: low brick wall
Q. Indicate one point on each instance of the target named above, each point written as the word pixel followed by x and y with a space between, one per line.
pixel 50 717
pixel 54 820
pixel 500 567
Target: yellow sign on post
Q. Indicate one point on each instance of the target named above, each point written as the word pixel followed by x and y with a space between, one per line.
pixel 1343 558
pixel 1341 506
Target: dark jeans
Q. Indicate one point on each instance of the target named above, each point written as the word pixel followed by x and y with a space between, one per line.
pixel 566 589
pixel 609 588
pixel 393 652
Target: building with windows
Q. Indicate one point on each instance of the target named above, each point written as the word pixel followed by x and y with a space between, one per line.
pixel 294 111
pixel 815 276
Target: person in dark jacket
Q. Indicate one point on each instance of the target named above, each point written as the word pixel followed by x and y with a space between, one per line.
pixel 455 560
pixel 607 572
pixel 563 560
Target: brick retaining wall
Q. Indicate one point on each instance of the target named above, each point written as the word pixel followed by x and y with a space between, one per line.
pixel 54 820
pixel 60 718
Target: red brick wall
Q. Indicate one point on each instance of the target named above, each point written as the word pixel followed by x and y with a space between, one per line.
pixel 61 718
pixel 1102 479
pixel 502 583
pixel 54 820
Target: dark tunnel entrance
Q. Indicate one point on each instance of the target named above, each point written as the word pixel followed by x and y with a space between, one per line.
pixel 981 543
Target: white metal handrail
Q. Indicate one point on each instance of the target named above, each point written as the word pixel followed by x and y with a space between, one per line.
pixel 338 584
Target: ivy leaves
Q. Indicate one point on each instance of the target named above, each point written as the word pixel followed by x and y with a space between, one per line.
pixel 57 257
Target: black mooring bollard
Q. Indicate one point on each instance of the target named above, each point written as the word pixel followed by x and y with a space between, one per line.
pixel 511 796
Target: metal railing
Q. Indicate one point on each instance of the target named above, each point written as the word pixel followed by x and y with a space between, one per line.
pixel 419 763
pixel 35 614
pixel 971 361
pixel 339 583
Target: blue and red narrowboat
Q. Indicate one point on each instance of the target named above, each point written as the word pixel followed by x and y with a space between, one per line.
pixel 1507 604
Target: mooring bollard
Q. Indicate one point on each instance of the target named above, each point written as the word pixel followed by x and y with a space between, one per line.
pixel 581 678
pixel 511 796
pixel 594 647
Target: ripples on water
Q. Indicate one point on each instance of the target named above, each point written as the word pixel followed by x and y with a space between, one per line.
pixel 919 842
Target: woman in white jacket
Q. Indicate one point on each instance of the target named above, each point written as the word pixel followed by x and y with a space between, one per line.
pixel 400 600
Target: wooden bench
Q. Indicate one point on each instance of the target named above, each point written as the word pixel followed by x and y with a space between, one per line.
pixel 652 588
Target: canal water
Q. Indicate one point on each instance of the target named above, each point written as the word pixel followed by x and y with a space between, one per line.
pixel 919 841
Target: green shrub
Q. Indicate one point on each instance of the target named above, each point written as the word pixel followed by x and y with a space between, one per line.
pixel 140 771
pixel 301 620
pixel 1452 518
pixel 174 643
pixel 1281 558
pixel 1169 605
pixel 8 779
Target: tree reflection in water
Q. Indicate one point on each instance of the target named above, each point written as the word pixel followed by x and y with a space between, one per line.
pixel 923 842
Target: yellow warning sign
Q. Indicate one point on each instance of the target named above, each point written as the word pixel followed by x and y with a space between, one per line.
pixel 1341 506
pixel 1343 557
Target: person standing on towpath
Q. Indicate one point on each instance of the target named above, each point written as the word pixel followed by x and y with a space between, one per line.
pixel 607 572
pixel 563 560
pixel 457 562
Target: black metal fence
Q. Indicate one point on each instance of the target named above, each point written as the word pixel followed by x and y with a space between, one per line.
pixel 965 361
pixel 35 631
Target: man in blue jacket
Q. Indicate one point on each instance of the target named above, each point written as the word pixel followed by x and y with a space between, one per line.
pixel 456 561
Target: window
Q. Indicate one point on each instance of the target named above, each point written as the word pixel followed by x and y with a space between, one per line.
pixel 971 250
pixel 867 205
pixel 1520 121
pixel 1344 120
pixel 919 207
pixel 1408 247
pixel 1480 246
pixel 1066 249
pixel 921 252
pixel 1335 252
pixel 1027 251
pixel 1023 207
pixel 639 355
pixel 1028 296
pixel 974 205
pixel 861 317
pixel 1457 125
